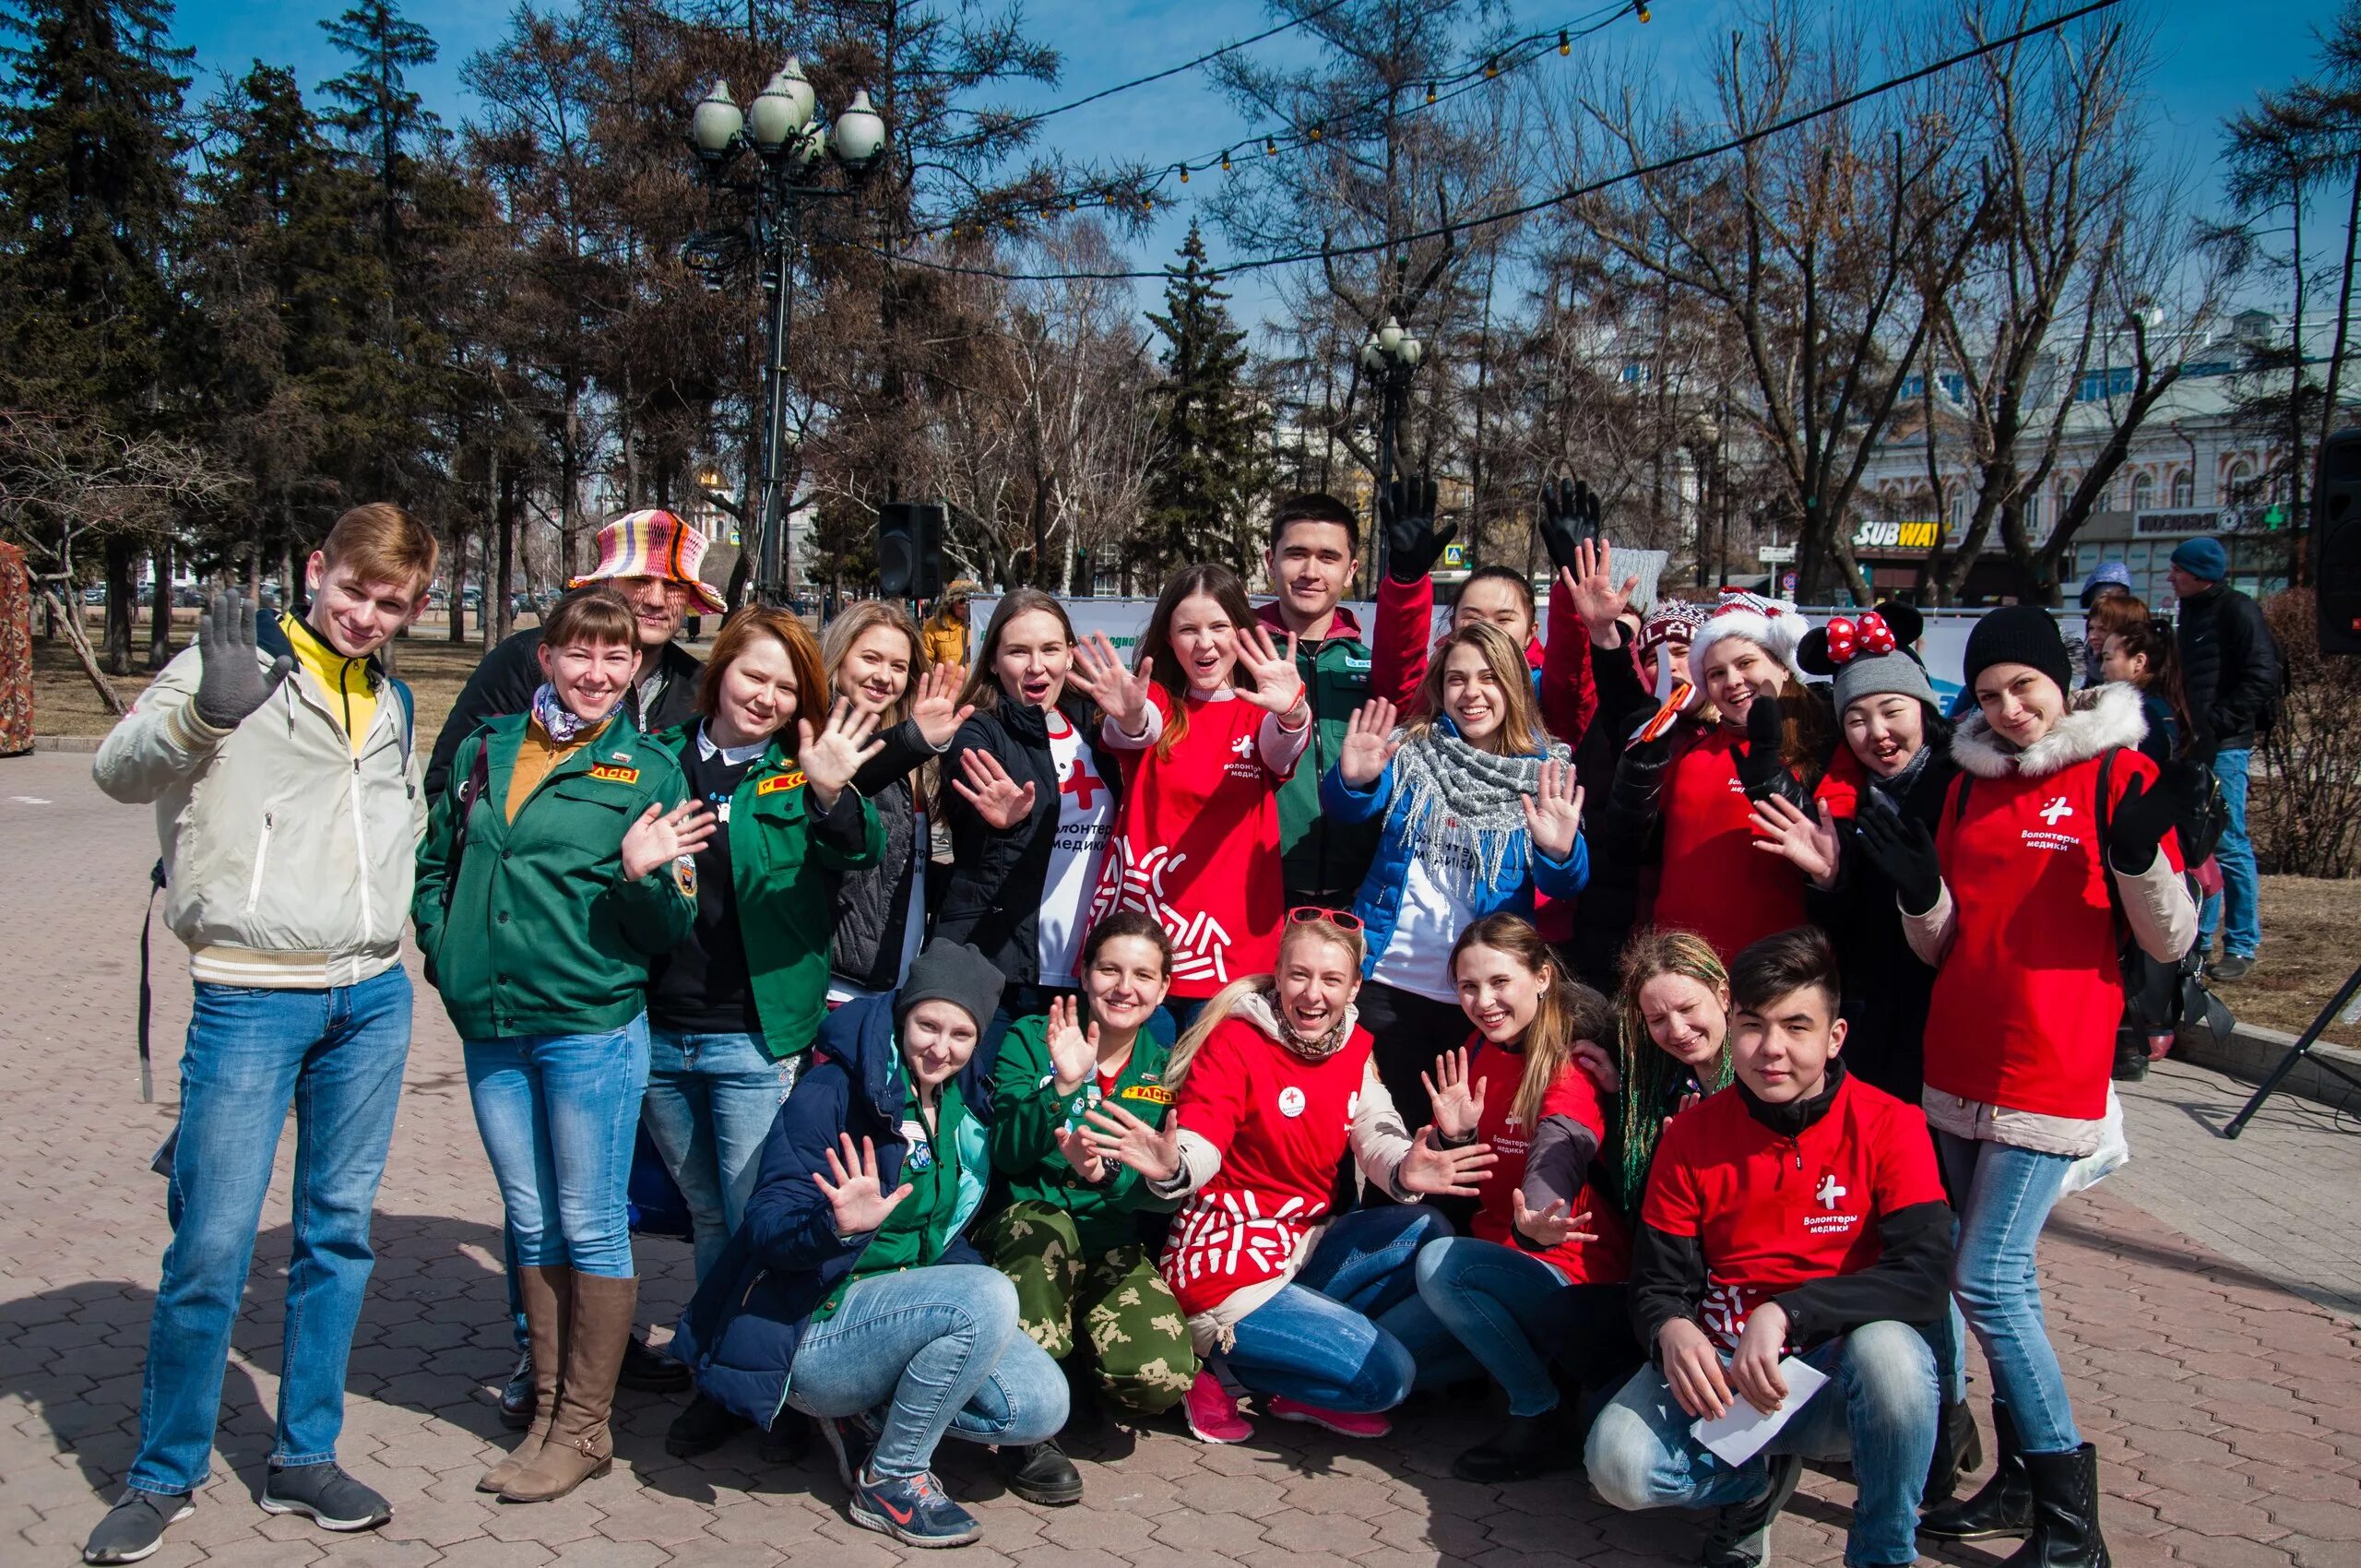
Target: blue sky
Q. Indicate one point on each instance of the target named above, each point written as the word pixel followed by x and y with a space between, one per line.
pixel 2212 57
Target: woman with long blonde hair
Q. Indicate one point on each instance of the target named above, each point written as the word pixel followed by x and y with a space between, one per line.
pixel 1480 809
pixel 1542 1278
pixel 1271 1084
pixel 875 661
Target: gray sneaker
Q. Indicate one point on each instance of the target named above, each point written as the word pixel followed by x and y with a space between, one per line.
pixel 134 1528
pixel 333 1500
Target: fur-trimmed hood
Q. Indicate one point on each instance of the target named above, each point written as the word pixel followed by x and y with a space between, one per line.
pixel 2095 718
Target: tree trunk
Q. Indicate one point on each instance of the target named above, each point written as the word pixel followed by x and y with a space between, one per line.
pixel 2302 573
pixel 120 595
pixel 458 627
pixel 71 621
pixel 159 611
pixel 511 501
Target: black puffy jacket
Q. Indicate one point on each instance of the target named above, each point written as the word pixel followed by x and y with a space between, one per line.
pixel 873 906
pixel 2229 665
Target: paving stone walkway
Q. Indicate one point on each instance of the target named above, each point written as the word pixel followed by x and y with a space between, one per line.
pixel 2185 1295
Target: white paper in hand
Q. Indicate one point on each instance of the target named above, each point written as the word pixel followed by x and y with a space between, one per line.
pixel 1739 1434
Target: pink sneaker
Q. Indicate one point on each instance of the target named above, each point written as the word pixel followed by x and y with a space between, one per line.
pixel 1212 1413
pixel 1337 1421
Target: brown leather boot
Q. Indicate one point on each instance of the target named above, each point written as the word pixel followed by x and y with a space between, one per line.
pixel 548 1295
pixel 580 1446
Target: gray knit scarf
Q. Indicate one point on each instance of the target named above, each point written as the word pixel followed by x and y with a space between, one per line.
pixel 1463 815
pixel 1894 788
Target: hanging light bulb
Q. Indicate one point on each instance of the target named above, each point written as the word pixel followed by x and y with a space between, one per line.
pixel 1315 133
pixel 1270 147
pixel 1225 161
pixel 1565 45
pixel 1184 173
pixel 1491 69
pixel 1430 93
pixel 1641 6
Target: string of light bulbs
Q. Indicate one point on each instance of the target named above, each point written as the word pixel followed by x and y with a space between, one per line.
pixel 1525 210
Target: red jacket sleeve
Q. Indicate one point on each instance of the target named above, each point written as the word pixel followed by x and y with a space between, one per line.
pixel 1568 691
pixel 1398 648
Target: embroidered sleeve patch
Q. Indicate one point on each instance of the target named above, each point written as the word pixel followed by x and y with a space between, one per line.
pixel 1155 1094
pixel 684 877
pixel 790 779
pixel 615 773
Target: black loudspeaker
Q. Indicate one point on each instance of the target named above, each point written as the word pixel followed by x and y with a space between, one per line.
pixel 909 550
pixel 2336 543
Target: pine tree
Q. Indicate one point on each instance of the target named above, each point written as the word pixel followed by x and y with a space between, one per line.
pixel 1210 461
pixel 377 113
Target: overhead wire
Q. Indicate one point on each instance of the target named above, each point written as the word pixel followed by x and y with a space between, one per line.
pixel 1575 193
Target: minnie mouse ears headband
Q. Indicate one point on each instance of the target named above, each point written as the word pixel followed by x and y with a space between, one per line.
pixel 1889 628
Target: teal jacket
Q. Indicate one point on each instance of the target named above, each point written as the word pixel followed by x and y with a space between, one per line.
pixel 781 857
pixel 543 935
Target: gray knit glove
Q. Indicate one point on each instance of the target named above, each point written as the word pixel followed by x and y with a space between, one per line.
pixel 232 685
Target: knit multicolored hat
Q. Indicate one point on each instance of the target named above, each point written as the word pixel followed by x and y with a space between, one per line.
pixel 1869 655
pixel 654 544
pixel 1673 620
pixel 1774 626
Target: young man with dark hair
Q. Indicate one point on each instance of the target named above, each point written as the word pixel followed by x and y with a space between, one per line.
pixel 279 754
pixel 1315 545
pixel 1799 1213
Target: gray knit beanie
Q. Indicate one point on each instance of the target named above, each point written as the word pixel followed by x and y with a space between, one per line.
pixel 953 972
pixel 1868 655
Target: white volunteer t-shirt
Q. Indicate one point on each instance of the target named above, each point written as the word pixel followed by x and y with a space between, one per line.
pixel 1086 821
pixel 1417 955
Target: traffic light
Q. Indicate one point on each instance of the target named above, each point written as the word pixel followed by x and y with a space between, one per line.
pixel 2336 543
pixel 909 550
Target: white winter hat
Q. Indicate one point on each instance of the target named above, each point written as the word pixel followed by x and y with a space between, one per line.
pixel 1772 626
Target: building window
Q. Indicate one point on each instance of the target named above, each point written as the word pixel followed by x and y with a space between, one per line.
pixel 2235 482
pixel 2184 488
pixel 2143 492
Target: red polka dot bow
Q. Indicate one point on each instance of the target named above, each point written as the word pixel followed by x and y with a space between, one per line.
pixel 1849 639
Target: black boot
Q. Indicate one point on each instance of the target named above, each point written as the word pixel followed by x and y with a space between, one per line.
pixel 1958 1448
pixel 1041 1473
pixel 2004 1507
pixel 788 1439
pixel 700 1429
pixel 2065 1511
pixel 1741 1534
pixel 650 1371
pixel 2131 1055
pixel 1525 1447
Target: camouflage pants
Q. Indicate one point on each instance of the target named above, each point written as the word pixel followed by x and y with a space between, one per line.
pixel 1144 1362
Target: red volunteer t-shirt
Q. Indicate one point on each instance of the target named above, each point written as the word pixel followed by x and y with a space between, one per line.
pixel 1607 1261
pixel 1715 882
pixel 1197 845
pixel 1281 1123
pixel 2027 1000
pixel 1771 1213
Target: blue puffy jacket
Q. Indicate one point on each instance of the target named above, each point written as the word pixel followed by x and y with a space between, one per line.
pixel 739 1333
pixel 1379 902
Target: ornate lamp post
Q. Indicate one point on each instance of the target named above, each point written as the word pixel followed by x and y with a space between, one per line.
pixel 1390 356
pixel 793 152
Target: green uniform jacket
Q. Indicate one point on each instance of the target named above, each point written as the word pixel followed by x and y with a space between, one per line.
pixel 1028 1111
pixel 1324 859
pixel 543 935
pixel 779 859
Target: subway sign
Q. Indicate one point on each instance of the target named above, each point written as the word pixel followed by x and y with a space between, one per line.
pixel 1894 536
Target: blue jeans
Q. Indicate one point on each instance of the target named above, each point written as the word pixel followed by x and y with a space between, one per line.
pixel 2233 908
pixel 1514 1314
pixel 2010 1192
pixel 710 1103
pixel 558 1115
pixel 1349 1332
pixel 1877 1408
pixel 931 1350
pixel 335 1057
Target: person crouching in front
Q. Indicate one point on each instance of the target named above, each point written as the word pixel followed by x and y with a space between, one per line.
pixel 1799 1215
pixel 851 1275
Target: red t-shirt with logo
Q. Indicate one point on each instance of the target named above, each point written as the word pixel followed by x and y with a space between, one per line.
pixel 1771 1213
pixel 1281 1123
pixel 2028 996
pixel 1197 845
pixel 1608 1260
pixel 1714 881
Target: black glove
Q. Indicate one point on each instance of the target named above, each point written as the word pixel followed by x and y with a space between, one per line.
pixel 1412 545
pixel 1569 515
pixel 2147 812
pixel 1903 848
pixel 1760 771
pixel 230 685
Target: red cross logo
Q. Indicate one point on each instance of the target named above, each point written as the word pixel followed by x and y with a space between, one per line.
pixel 1083 785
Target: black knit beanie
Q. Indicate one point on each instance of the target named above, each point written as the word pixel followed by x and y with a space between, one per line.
pixel 953 972
pixel 2019 633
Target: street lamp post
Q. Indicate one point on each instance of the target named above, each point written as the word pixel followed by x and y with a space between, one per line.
pixel 1389 356
pixel 792 150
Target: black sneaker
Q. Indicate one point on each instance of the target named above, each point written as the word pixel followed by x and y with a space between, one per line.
pixel 134 1528
pixel 2230 968
pixel 333 1500
pixel 1741 1534
pixel 914 1510
pixel 517 1395
pixel 651 1371
pixel 1525 1447
pixel 704 1426
pixel 1041 1473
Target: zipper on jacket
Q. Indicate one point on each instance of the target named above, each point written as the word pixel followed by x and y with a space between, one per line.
pixel 262 858
pixel 361 850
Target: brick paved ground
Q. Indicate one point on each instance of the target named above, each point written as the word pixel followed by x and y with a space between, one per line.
pixel 2226 1406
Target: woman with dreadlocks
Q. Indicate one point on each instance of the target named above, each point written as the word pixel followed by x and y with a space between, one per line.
pixel 1675 1007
